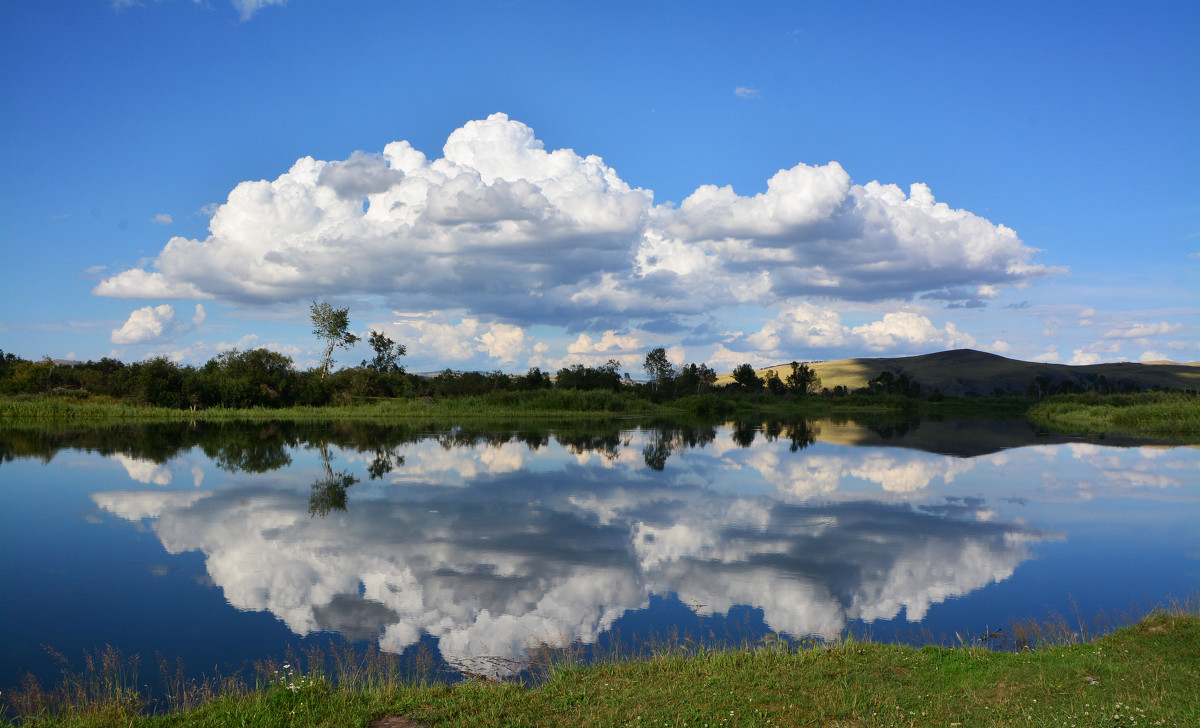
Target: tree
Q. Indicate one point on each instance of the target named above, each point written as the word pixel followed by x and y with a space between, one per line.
pixel 387 352
pixel 254 378
pixel 658 367
pixel 331 325
pixel 802 380
pixel 747 378
pixel 774 384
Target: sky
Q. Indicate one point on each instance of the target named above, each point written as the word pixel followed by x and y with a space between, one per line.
pixel 516 184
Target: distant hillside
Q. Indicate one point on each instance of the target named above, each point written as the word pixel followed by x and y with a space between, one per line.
pixel 966 371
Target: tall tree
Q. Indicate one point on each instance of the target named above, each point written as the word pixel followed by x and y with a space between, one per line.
pixel 659 367
pixel 802 380
pixel 387 352
pixel 331 325
pixel 747 378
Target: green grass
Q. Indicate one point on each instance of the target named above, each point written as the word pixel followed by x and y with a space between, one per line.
pixel 558 404
pixel 546 403
pixel 1146 674
pixel 1170 416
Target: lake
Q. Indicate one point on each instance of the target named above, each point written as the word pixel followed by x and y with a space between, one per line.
pixel 221 544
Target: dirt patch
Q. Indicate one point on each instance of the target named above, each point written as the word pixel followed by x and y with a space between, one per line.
pixel 397 721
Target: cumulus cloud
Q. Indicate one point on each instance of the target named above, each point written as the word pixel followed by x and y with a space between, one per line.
pixel 163 219
pixel 457 341
pixel 1095 353
pixel 153 324
pixel 503 229
pixel 912 330
pixel 800 325
pixel 610 342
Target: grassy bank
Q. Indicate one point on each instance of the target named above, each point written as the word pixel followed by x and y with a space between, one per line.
pixel 558 404
pixel 1151 414
pixel 1146 674
pixel 1162 415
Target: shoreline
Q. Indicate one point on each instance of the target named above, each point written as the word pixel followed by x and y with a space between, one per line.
pixel 1140 672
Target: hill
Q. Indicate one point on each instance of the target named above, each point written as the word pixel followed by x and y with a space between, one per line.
pixel 966 372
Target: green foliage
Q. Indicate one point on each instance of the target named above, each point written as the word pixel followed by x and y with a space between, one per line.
pixel 254 378
pixel 746 378
pixel 802 380
pixel 579 376
pixel 387 354
pixel 661 370
pixel 888 383
pixel 1153 414
pixel 331 325
pixel 694 379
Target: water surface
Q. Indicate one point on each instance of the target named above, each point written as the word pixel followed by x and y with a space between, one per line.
pixel 222 544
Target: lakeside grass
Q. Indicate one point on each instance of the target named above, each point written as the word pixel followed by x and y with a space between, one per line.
pixel 1171 416
pixel 1152 414
pixel 1146 674
pixel 557 404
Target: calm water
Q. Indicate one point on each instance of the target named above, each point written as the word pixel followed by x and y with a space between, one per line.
pixel 224 544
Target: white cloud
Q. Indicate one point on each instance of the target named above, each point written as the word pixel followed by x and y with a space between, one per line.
pixel 610 342
pixel 137 283
pixel 442 338
pixel 746 92
pixel 1148 356
pixel 504 342
pixel 153 324
pixel 502 229
pixel 912 330
pixel 1095 353
pixel 247 8
pixel 1139 331
pixel 163 219
pixel 800 325
pixel 724 359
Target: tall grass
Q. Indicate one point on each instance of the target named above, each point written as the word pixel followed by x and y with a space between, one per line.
pixel 1060 673
pixel 1155 414
pixel 542 403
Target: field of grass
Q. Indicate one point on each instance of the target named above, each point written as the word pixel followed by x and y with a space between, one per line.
pixel 1146 674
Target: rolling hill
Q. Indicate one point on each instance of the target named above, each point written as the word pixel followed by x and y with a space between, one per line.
pixel 966 372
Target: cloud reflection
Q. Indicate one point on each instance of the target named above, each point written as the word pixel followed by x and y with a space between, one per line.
pixel 500 555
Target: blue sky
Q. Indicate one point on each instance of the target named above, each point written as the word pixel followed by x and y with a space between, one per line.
pixel 506 185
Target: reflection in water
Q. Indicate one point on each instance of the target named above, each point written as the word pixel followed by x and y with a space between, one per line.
pixel 471 545
pixel 329 492
pixel 489 538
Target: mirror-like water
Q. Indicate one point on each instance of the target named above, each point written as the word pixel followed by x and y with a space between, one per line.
pixel 220 544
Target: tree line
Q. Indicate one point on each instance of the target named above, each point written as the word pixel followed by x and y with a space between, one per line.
pixel 264 378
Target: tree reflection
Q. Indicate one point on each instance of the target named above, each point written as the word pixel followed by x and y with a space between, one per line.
pixel 329 492
pixel 668 438
pixel 802 433
pixel 743 433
